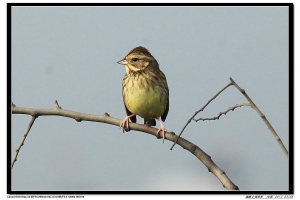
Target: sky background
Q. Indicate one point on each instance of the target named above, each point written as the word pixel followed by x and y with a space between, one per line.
pixel 70 54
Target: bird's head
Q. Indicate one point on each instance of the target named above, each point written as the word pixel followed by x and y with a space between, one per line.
pixel 139 59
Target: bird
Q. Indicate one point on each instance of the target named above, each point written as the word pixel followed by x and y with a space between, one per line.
pixel 145 90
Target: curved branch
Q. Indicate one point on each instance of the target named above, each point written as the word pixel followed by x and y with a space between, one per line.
pixel 264 118
pixel 105 118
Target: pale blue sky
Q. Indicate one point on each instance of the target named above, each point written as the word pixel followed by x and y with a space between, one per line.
pixel 69 54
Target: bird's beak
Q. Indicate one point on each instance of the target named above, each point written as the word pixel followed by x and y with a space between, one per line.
pixel 122 62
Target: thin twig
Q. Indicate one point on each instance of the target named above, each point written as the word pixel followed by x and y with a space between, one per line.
pixel 223 113
pixel 189 121
pixel 56 105
pixel 263 118
pixel 23 140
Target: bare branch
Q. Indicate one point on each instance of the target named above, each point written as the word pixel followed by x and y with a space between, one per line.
pixel 189 121
pixel 223 113
pixel 199 153
pixel 263 118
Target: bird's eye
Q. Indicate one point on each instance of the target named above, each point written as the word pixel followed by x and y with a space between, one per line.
pixel 134 59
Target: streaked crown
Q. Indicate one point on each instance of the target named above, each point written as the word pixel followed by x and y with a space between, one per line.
pixel 140 50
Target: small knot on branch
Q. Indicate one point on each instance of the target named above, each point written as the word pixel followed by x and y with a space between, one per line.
pixel 56 105
pixel 106 114
pixel 35 115
pixel 172 133
pixel 193 149
pixel 78 119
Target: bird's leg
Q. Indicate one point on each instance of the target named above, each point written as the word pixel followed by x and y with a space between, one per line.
pixel 125 123
pixel 162 128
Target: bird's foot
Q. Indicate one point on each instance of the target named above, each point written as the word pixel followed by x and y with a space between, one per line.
pixel 163 132
pixel 125 123
pixel 162 128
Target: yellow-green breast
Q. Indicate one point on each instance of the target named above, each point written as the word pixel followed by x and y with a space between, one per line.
pixel 144 100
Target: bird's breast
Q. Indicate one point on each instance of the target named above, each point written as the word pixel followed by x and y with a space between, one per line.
pixel 144 95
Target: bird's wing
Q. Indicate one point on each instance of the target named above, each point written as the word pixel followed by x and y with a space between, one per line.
pixel 164 115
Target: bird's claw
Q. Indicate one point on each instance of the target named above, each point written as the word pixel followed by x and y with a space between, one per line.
pixel 163 132
pixel 125 124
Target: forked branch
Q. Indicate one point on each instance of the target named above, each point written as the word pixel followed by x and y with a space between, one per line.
pixel 196 113
pixel 264 118
pixel 251 103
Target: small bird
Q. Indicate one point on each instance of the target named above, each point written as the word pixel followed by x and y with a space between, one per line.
pixel 145 89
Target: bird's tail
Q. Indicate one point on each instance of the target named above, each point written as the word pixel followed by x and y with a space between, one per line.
pixel 150 122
